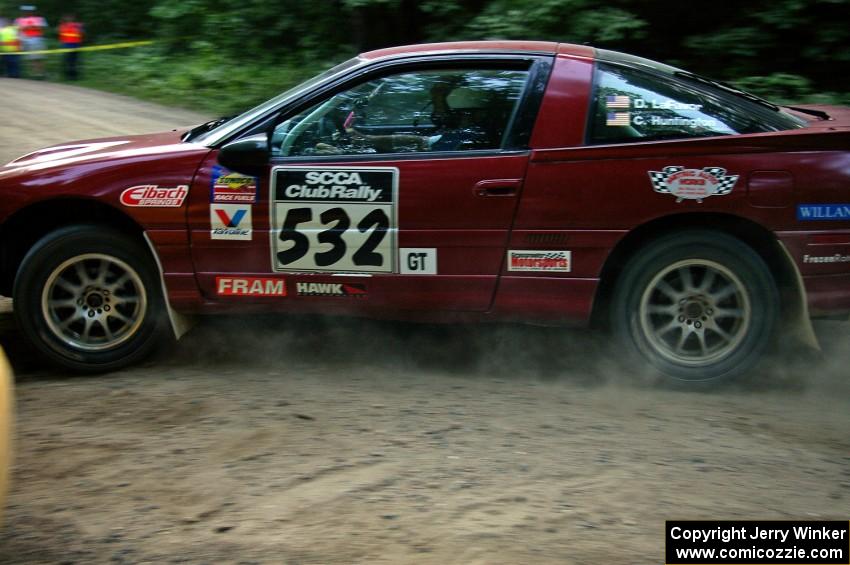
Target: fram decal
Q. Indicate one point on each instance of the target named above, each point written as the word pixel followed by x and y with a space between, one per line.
pixel 823 212
pixel 230 221
pixel 153 196
pixel 692 184
pixel 331 289
pixel 249 286
pixel 227 186
pixel 543 260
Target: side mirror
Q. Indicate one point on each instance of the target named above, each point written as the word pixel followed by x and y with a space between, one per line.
pixel 249 156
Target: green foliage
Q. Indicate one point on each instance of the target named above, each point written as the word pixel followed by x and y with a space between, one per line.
pixel 784 88
pixel 209 83
pixel 221 56
pixel 573 21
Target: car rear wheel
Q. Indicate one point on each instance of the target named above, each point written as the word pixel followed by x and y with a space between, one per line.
pixel 699 306
pixel 88 297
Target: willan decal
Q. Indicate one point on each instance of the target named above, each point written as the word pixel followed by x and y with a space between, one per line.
pixel 692 184
pixel 821 212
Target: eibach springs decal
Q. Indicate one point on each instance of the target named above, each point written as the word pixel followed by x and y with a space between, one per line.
pixel 154 196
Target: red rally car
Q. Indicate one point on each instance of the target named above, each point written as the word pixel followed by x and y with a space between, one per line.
pixel 523 181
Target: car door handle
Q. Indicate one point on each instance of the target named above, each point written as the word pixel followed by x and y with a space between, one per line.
pixel 497 187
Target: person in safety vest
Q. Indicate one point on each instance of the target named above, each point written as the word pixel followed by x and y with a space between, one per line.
pixel 71 37
pixel 31 28
pixel 9 43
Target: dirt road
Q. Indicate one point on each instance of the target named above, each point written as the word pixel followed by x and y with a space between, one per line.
pixel 34 114
pixel 313 440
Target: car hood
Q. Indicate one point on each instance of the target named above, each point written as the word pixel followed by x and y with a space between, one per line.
pixel 96 150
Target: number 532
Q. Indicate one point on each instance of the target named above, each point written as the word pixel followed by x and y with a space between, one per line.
pixel 333 237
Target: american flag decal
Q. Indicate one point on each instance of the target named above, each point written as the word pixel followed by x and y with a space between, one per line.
pixel 617 119
pixel 692 184
pixel 617 101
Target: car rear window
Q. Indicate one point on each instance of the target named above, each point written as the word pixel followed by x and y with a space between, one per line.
pixel 632 105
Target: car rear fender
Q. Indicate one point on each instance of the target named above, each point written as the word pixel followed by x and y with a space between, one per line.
pixel 796 320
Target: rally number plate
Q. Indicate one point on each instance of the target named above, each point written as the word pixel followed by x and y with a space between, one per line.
pixel 333 219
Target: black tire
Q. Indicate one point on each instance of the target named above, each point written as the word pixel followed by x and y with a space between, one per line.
pixel 700 307
pixel 88 297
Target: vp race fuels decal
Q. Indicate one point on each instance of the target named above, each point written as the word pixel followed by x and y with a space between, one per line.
pixel 339 219
pixel 230 187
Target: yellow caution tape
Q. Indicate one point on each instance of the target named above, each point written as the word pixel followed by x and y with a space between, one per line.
pixel 124 45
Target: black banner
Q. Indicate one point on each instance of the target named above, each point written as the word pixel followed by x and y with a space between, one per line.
pixel 334 185
pixel 766 542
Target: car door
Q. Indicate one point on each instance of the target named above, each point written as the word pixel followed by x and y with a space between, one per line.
pixel 396 190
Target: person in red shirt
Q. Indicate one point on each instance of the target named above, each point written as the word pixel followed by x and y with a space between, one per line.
pixel 71 37
pixel 31 29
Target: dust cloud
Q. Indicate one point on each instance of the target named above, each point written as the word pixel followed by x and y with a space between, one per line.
pixel 311 439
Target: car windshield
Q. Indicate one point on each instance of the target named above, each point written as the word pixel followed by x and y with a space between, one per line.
pixel 222 128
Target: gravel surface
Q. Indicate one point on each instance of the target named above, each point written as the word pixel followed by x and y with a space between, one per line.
pixel 34 114
pixel 312 440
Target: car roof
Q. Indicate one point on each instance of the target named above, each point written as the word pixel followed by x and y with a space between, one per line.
pixel 460 47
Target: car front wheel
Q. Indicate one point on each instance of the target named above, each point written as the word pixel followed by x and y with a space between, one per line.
pixel 699 306
pixel 88 297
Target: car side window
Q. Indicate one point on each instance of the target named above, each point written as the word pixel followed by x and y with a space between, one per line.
pixel 630 105
pixel 419 111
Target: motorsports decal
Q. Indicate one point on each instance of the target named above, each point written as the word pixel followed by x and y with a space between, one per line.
pixel 544 260
pixel 230 221
pixel 227 186
pixel 153 196
pixel 823 212
pixel 692 184
pixel 331 289
pixel 333 219
pixel 249 286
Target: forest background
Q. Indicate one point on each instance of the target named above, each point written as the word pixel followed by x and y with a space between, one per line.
pixel 221 57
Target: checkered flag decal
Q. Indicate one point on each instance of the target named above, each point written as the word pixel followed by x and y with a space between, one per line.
pixel 551 255
pixel 727 182
pixel 659 178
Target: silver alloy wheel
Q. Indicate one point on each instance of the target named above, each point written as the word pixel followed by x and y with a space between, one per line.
pixel 94 302
pixel 695 312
